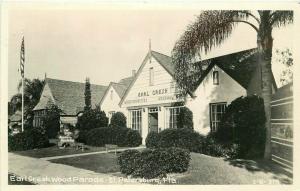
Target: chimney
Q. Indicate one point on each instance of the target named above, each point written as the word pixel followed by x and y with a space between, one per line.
pixel 133 73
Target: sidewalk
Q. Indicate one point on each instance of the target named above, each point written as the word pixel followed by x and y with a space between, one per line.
pixel 44 172
pixel 91 153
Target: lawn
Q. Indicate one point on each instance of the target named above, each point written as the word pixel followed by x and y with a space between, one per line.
pixel 211 170
pixel 55 151
pixel 203 169
pixel 101 163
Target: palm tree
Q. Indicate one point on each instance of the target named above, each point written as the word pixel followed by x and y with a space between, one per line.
pixel 32 92
pixel 211 28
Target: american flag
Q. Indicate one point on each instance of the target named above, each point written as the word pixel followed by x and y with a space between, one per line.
pixel 22 58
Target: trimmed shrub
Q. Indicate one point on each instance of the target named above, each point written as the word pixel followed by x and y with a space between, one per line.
pixel 128 161
pixel 118 120
pixel 29 139
pixel 97 137
pixel 175 160
pixel 92 118
pixel 152 163
pixel 182 138
pixel 185 118
pixel 118 136
pixel 133 138
pixel 244 124
pixel 152 140
pixel 82 136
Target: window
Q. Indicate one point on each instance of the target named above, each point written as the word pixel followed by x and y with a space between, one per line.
pixel 135 120
pixel 171 116
pixel 111 95
pixel 216 112
pixel 215 77
pixel 151 76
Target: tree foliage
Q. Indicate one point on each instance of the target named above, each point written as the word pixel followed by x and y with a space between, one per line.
pixel 285 57
pixel 51 123
pixel 118 120
pixel 211 29
pixel 32 92
pixel 92 118
pixel 87 95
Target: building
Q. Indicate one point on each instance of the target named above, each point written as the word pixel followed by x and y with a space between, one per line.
pixel 68 97
pixel 152 100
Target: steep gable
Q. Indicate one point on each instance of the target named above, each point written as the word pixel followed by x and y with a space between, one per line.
pixel 69 96
pixel 141 92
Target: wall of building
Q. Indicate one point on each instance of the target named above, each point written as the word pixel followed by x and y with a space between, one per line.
pixel 142 93
pixel 110 104
pixel 227 90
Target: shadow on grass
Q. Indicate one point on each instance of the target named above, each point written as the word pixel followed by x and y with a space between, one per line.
pixel 261 165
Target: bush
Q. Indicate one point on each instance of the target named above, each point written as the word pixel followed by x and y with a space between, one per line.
pixel 128 161
pixel 133 138
pixel 118 120
pixel 213 148
pixel 152 140
pixel 92 118
pixel 152 163
pixel 82 136
pixel 29 139
pixel 244 124
pixel 182 138
pixel 185 118
pixel 118 136
pixel 51 122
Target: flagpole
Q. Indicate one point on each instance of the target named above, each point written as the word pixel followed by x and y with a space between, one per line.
pixel 22 104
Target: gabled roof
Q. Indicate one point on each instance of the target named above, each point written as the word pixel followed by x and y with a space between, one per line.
pixel 119 87
pixel 69 96
pixel 126 81
pixel 240 66
pixel 164 60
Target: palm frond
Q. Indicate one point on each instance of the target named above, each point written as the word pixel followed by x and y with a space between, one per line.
pixel 281 18
pixel 210 29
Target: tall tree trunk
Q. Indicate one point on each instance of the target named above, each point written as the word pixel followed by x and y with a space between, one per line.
pixel 265 44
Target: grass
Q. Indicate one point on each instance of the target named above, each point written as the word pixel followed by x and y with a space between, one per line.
pixel 16 180
pixel 203 170
pixel 55 151
pixel 207 170
pixel 101 163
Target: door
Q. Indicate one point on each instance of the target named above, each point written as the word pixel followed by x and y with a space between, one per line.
pixel 153 122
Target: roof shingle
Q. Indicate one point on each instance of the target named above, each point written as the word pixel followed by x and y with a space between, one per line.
pixel 69 96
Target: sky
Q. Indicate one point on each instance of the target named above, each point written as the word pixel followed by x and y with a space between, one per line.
pixel 106 44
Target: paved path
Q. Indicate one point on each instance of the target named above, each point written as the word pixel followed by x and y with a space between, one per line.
pixel 40 171
pixel 91 153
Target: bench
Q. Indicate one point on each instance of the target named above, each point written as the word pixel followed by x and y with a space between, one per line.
pixel 111 147
pixel 80 146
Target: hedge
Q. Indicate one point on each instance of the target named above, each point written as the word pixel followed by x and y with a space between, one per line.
pixel 109 135
pixel 182 138
pixel 29 139
pixel 152 163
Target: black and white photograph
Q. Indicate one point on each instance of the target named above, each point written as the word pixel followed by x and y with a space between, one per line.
pixel 152 94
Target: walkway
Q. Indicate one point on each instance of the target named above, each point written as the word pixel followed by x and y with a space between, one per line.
pixel 91 153
pixel 44 172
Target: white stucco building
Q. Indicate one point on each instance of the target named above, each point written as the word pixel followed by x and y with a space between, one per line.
pixel 151 101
